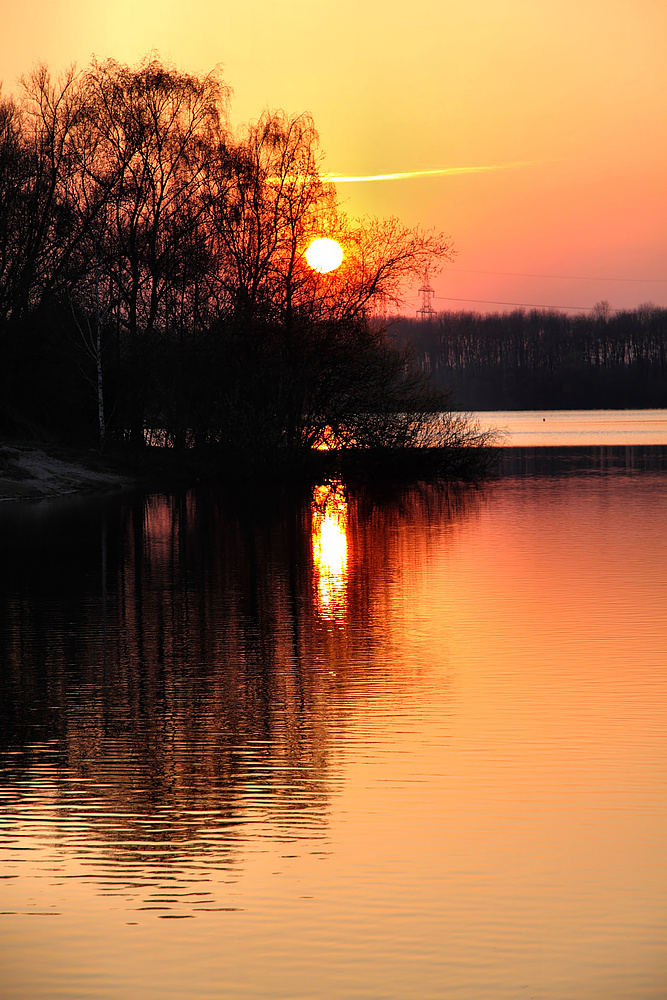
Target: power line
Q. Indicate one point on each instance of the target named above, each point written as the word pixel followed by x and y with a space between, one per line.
pixel 557 277
pixel 427 311
pixel 525 305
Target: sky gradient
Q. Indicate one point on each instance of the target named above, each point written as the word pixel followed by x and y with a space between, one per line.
pixel 532 133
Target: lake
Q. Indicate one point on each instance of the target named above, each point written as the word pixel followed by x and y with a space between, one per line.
pixel 558 428
pixel 366 743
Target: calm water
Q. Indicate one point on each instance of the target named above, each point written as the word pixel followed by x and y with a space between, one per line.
pixel 341 745
pixel 549 428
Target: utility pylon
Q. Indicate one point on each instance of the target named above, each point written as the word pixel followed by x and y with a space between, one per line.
pixel 427 311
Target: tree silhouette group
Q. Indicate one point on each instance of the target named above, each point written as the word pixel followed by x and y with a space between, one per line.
pixel 153 280
pixel 545 359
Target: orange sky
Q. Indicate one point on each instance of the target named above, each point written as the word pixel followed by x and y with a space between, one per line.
pixel 566 98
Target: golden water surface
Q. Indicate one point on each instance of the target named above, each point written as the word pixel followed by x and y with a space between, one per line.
pixel 574 428
pixel 373 743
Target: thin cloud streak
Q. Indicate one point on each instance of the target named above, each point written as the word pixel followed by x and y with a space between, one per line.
pixel 440 172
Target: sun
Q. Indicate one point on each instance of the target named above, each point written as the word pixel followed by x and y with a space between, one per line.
pixel 324 255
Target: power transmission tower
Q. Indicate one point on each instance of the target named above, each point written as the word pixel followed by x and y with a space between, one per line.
pixel 427 311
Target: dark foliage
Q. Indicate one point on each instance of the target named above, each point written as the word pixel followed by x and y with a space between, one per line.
pixel 154 288
pixel 545 360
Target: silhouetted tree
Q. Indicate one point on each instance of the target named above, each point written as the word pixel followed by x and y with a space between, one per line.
pixel 41 226
pixel 151 131
pixel 302 361
pixel 175 252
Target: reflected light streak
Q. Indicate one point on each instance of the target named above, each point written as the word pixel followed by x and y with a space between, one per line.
pixel 329 541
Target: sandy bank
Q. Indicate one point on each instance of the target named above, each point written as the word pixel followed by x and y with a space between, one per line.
pixel 29 472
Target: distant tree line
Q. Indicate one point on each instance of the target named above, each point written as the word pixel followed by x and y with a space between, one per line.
pixel 153 284
pixel 536 360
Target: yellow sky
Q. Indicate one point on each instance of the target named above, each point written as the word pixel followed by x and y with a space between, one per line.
pixel 565 99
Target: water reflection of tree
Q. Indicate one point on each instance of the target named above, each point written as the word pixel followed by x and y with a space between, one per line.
pixel 175 652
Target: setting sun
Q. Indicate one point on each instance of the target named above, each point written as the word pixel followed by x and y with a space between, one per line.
pixel 324 255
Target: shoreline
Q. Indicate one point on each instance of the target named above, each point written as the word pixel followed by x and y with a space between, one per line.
pixel 30 471
pixel 33 471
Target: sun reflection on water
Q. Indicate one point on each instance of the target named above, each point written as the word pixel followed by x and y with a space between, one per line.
pixel 329 539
